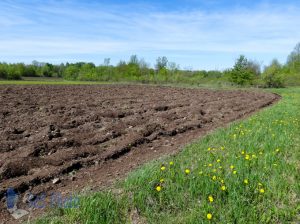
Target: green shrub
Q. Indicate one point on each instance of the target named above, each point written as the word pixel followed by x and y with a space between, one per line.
pixel 272 77
pixel 241 73
pixel 3 71
pixel 71 73
pixel 272 80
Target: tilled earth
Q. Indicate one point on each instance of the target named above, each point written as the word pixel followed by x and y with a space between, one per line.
pixel 92 135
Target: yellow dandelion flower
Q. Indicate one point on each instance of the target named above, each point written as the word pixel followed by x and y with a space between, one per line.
pixel 243 152
pixel 223 188
pixel 222 181
pixel 187 171
pixel 247 157
pixel 162 180
pixel 209 216
pixel 171 163
pixel 209 149
pixel 254 156
pixel 259 184
pixel 158 188
pixel 210 198
pixel 246 181
pixel 261 190
pixel 222 147
pixel 234 172
pixel 231 167
pixel 218 160
pixel 214 170
pixel 210 165
pixel 163 168
pixel 214 177
pixel 277 150
pixel 260 153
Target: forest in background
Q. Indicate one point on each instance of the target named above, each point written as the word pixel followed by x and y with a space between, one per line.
pixel 245 72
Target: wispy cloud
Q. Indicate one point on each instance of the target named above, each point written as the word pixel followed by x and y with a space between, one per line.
pixel 72 28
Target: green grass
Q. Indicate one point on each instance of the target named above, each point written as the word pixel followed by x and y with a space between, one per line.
pixel 263 149
pixel 205 83
pixel 208 84
pixel 40 81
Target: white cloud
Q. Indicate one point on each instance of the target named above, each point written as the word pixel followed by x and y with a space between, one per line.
pixel 58 46
pixel 65 28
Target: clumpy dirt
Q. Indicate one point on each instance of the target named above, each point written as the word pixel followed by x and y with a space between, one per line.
pixel 92 135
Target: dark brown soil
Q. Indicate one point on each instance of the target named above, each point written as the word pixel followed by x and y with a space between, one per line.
pixel 93 135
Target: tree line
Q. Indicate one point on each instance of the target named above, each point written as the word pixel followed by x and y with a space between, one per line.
pixel 274 75
pixel 244 72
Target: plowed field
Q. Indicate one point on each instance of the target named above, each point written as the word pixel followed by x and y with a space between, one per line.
pixel 91 135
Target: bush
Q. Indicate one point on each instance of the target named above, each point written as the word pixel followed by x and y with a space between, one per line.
pixel 71 73
pixel 272 77
pixel 273 80
pixel 3 71
pixel 241 73
pixel 13 72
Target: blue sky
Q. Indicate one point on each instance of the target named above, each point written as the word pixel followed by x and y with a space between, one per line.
pixel 195 34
